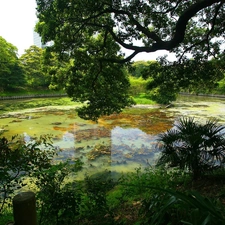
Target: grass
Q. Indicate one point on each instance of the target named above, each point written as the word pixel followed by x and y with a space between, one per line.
pixel 143 99
pixel 6 216
pixel 19 104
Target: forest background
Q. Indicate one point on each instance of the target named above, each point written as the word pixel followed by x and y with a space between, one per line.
pixel 35 72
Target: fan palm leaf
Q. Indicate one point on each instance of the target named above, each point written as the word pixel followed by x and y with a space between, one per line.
pixel 193 146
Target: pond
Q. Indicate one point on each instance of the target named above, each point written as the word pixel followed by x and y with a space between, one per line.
pixel 119 143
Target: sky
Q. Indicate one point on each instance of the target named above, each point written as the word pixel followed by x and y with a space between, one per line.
pixel 17 21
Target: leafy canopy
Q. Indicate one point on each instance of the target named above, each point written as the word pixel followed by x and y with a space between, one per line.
pixel 167 79
pixel 11 74
pixel 33 67
pixel 93 32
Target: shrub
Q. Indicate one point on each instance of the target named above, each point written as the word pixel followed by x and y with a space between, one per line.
pixel 19 159
pixel 58 199
pixel 94 205
pixel 162 94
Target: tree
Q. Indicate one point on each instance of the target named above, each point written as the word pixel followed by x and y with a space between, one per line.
pixel 11 75
pixel 194 75
pixel 198 148
pixel 137 68
pixel 33 67
pixel 55 70
pixel 180 26
pixel 102 85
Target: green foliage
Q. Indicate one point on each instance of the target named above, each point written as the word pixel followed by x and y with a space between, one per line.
pixel 95 202
pixel 137 85
pixel 163 95
pixel 220 86
pixel 109 92
pixel 170 78
pixel 136 185
pixel 173 207
pixel 138 68
pixel 143 99
pixel 33 67
pixel 160 201
pixel 102 86
pixel 6 216
pixel 19 159
pixel 55 69
pixel 100 199
pixel 192 146
pixel 220 89
pixel 152 23
pixel 11 74
pixel 58 199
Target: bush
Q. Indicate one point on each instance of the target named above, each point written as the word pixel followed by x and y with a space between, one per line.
pixel 58 199
pixel 94 205
pixel 19 159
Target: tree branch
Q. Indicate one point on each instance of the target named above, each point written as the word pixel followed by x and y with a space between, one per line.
pixel 206 39
pixel 178 36
pixel 158 43
pixel 183 21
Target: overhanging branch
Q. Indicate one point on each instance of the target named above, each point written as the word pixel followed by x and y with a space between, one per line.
pixel 178 36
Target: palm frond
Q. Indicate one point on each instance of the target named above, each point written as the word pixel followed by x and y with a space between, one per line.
pixel 193 146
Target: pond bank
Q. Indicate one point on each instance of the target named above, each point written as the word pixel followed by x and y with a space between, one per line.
pixel 32 96
pixel 64 95
pixel 204 95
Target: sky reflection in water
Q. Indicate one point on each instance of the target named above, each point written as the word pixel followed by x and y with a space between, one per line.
pixel 118 143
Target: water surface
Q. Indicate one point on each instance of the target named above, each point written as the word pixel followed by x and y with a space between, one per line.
pixel 117 143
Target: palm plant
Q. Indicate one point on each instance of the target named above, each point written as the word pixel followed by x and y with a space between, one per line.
pixel 193 146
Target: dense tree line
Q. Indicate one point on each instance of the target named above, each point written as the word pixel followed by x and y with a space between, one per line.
pixel 11 74
pixel 162 80
pixel 165 80
pixel 29 71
